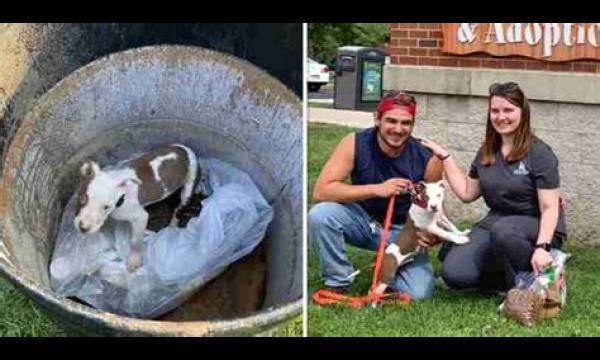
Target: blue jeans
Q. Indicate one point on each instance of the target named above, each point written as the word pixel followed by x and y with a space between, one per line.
pixel 331 225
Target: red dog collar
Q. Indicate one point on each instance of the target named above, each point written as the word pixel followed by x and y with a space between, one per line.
pixel 418 196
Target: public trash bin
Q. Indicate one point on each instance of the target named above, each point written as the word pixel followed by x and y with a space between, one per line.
pixel 359 78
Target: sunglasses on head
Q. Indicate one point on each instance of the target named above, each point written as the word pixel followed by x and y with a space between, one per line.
pixel 399 98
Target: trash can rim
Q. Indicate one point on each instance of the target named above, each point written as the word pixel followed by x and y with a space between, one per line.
pixel 152 51
pixel 267 318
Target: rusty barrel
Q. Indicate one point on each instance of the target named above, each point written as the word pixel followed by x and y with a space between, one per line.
pixel 132 101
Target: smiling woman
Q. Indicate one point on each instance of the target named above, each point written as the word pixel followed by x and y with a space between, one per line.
pixel 509 123
pixel 505 116
pixel 517 175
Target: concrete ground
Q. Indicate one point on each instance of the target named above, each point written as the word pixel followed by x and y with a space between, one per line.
pixel 320 109
pixel 359 119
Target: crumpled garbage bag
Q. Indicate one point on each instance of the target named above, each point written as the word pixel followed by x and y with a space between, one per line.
pixel 177 261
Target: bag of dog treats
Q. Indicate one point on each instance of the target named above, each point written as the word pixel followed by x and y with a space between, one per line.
pixel 541 297
pixel 523 305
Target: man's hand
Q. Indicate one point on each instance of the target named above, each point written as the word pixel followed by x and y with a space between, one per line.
pixel 427 239
pixel 394 186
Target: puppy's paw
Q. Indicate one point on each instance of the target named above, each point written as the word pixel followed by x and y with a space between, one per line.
pixel 460 239
pixel 134 261
pixel 380 289
pixel 465 232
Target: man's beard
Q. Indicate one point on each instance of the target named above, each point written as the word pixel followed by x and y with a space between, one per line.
pixel 392 146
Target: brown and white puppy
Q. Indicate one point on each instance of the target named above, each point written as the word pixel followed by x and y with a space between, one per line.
pixel 426 213
pixel 123 190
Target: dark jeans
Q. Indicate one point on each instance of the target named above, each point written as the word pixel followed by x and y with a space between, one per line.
pixel 493 257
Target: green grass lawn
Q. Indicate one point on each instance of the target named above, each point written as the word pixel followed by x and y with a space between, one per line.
pixel 20 316
pixel 316 104
pixel 293 329
pixel 449 313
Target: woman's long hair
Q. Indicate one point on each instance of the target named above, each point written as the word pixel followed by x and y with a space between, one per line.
pixel 512 93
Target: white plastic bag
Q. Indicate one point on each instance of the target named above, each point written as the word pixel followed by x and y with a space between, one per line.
pixel 552 273
pixel 177 261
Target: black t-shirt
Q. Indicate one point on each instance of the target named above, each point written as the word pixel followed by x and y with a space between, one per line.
pixel 510 187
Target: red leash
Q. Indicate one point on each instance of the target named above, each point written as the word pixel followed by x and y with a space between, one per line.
pixel 382 244
pixel 327 297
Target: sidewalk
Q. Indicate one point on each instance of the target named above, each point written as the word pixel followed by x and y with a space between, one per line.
pixel 358 119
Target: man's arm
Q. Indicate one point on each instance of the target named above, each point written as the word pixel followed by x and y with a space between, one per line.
pixel 433 170
pixel 330 185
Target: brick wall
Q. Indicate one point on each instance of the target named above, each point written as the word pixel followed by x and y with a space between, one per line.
pixel 421 44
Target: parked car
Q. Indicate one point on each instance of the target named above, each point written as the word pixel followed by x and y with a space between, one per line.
pixel 318 75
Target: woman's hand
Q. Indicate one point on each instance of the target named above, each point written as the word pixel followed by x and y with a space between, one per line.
pixel 394 186
pixel 437 149
pixel 540 259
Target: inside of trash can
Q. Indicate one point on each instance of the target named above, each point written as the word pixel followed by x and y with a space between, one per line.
pixel 240 289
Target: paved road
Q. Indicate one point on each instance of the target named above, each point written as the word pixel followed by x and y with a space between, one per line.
pixel 326 92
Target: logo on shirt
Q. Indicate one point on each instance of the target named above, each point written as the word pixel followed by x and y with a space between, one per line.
pixel 521 170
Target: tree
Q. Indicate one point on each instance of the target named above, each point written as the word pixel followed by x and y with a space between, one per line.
pixel 325 38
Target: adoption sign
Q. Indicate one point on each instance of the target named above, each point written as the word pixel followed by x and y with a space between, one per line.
pixel 543 41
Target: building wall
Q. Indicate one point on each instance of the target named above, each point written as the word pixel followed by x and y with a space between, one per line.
pixel 421 44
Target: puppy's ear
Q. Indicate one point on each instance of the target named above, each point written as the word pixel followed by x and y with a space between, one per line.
pixel 420 187
pixel 89 169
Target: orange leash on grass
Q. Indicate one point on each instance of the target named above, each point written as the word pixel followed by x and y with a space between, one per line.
pixel 327 297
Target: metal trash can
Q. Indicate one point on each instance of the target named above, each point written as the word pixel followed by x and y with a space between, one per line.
pixel 132 101
pixel 359 78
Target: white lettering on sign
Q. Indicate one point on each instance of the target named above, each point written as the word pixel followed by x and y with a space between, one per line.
pixel 533 33
pixel 548 35
pixel 514 33
pixel 466 32
pixel 497 31
pixel 551 37
pixel 592 34
pixel 581 35
pixel 567 34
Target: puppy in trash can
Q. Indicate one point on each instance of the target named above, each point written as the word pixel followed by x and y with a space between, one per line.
pixel 122 192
